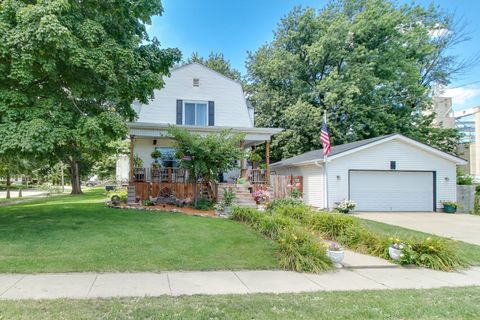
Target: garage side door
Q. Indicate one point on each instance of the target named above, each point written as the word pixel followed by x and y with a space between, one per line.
pixel 392 190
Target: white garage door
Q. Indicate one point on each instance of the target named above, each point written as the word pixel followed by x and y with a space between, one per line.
pixel 392 190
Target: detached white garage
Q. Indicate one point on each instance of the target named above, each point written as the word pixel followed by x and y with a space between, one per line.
pixel 387 173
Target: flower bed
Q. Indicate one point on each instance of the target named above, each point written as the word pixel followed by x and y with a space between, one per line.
pixel 299 250
pixel 433 252
pixel 167 208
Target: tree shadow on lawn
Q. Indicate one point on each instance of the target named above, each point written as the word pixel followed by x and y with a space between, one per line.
pixel 79 235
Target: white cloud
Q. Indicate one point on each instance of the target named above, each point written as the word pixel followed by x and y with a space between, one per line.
pixel 463 95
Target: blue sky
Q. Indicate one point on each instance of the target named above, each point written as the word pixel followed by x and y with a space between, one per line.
pixel 236 27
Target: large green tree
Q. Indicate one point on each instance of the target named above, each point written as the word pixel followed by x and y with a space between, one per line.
pixel 69 71
pixel 209 155
pixel 370 64
pixel 217 62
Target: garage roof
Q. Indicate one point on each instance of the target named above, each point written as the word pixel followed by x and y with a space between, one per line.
pixel 317 155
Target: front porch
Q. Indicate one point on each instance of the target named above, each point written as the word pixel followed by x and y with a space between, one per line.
pixel 165 174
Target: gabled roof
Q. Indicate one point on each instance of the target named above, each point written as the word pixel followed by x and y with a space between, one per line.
pixel 205 67
pixel 347 148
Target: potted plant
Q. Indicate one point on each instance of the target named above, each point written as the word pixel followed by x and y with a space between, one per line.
pixel 261 196
pixel 449 206
pixel 229 196
pixel 395 250
pixel 336 254
pixel 137 161
pixel 115 199
pixel 346 205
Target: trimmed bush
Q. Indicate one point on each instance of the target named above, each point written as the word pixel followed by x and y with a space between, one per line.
pixel 298 249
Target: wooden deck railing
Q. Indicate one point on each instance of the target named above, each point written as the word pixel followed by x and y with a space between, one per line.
pixel 157 175
pixel 150 181
pixel 255 176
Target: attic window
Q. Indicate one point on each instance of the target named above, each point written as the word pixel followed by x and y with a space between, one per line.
pixel 196 82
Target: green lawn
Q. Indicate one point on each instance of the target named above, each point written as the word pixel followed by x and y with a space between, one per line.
pixel 471 251
pixel 78 233
pixel 445 303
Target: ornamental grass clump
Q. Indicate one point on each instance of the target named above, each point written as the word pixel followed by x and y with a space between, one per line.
pixel 435 253
pixel 298 249
pixel 299 212
pixel 280 203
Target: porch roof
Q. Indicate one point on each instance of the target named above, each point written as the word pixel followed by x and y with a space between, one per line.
pixel 253 135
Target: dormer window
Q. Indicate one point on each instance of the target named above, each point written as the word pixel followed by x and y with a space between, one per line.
pixel 196 82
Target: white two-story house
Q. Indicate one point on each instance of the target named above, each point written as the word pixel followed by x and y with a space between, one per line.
pixel 200 100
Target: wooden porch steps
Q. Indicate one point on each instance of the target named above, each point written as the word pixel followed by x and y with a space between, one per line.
pixel 243 196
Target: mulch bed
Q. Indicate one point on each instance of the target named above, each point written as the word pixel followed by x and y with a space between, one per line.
pixel 168 208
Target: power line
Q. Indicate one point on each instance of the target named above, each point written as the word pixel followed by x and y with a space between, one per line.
pixel 464 85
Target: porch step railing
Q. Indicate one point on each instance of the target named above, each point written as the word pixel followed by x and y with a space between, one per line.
pixel 255 176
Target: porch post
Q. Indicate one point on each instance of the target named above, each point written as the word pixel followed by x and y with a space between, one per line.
pixel 242 161
pixel 132 158
pixel 254 163
pixel 267 161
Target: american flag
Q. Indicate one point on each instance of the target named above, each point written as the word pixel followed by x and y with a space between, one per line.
pixel 325 138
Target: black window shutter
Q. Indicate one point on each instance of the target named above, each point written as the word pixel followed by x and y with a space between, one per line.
pixel 211 113
pixel 179 111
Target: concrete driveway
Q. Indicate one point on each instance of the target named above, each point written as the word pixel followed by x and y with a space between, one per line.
pixel 463 227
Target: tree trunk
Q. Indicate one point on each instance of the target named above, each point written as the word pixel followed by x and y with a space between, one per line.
pixel 8 185
pixel 75 178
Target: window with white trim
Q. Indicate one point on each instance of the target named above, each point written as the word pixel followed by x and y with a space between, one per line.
pixel 195 113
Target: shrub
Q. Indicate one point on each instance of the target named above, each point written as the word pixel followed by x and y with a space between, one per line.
pixel 203 204
pixel 464 178
pixel 279 203
pixel 298 249
pixel 121 193
pixel 148 203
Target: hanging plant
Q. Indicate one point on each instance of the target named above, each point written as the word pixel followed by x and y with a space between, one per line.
pixel 156 154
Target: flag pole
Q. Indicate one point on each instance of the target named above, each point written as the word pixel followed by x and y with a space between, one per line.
pixel 325 160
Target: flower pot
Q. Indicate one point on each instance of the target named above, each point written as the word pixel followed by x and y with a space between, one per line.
pixel 227 210
pixel 336 257
pixel 395 254
pixel 449 209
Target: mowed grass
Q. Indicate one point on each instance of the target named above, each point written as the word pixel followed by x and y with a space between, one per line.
pixel 445 303
pixel 470 251
pixel 79 233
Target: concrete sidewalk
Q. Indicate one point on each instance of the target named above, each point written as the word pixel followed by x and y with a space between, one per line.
pixel 107 285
